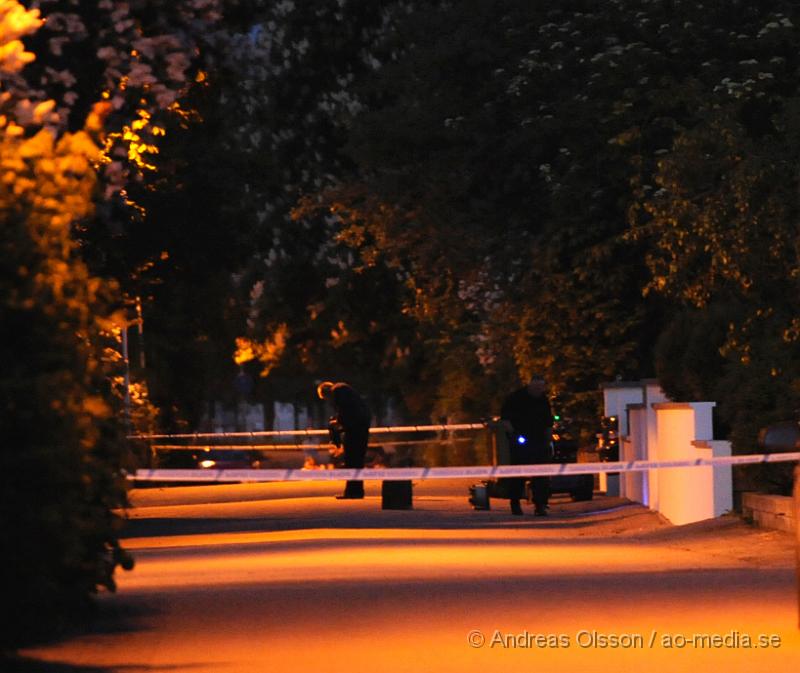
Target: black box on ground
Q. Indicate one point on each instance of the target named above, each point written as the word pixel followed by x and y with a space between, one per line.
pixel 396 495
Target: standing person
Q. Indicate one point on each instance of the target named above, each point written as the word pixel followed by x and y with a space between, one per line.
pixel 529 423
pixel 352 420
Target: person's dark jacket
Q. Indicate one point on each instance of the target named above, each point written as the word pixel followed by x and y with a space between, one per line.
pixel 352 412
pixel 531 417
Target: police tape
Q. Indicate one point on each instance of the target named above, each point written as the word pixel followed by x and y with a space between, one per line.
pixel 443 427
pixel 475 472
pixel 303 447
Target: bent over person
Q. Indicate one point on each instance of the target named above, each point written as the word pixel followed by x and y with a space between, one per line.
pixel 527 412
pixel 351 422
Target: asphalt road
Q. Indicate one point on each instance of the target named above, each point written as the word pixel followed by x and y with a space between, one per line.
pixel 283 577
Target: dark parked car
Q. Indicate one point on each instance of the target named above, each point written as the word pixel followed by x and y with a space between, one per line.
pixel 208 459
pixel 224 459
pixel 783 437
pixel 607 440
pixel 565 450
pixel 778 478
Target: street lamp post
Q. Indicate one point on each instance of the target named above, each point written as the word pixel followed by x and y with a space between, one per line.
pixel 797 532
pixel 139 321
pixel 140 324
pixel 127 376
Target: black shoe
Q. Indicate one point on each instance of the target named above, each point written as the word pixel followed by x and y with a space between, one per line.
pixel 516 509
pixel 540 511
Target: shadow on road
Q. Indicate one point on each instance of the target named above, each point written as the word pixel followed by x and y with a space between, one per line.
pixel 14 664
pixel 411 520
pixel 106 618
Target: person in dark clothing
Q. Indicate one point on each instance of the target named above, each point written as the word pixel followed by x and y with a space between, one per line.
pixel 351 422
pixel 529 424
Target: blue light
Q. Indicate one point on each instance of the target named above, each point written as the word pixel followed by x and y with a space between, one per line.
pixel 521 439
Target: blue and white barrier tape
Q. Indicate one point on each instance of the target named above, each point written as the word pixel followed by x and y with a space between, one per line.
pixel 450 427
pixel 475 472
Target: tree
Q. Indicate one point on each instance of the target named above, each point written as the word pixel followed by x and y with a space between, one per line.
pixel 143 59
pixel 722 235
pixel 286 92
pixel 470 160
pixel 63 452
pixel 533 170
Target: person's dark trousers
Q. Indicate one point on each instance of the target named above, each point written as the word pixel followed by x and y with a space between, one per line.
pixel 540 486
pixel 355 451
pixel 540 489
pixel 515 487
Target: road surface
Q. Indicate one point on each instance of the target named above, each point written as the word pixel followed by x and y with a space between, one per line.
pixel 265 578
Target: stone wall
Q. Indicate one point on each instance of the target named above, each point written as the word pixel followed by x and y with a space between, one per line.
pixel 770 511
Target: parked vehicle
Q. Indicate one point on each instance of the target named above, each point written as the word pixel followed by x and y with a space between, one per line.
pixel 565 450
pixel 783 437
pixel 208 458
pixel 565 447
pixel 227 459
pixel 607 440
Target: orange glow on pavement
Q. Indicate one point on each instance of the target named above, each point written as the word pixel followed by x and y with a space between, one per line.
pixel 436 589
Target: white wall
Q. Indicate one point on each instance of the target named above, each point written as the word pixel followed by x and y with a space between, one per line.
pixel 240 417
pixel 283 416
pixel 690 494
pixel 634 484
pixel 686 493
pixel 652 395
pixel 616 398
pixel 656 429
pixel 723 474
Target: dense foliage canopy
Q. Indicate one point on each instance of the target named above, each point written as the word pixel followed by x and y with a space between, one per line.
pixel 543 187
pixel 429 199
pixel 71 141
